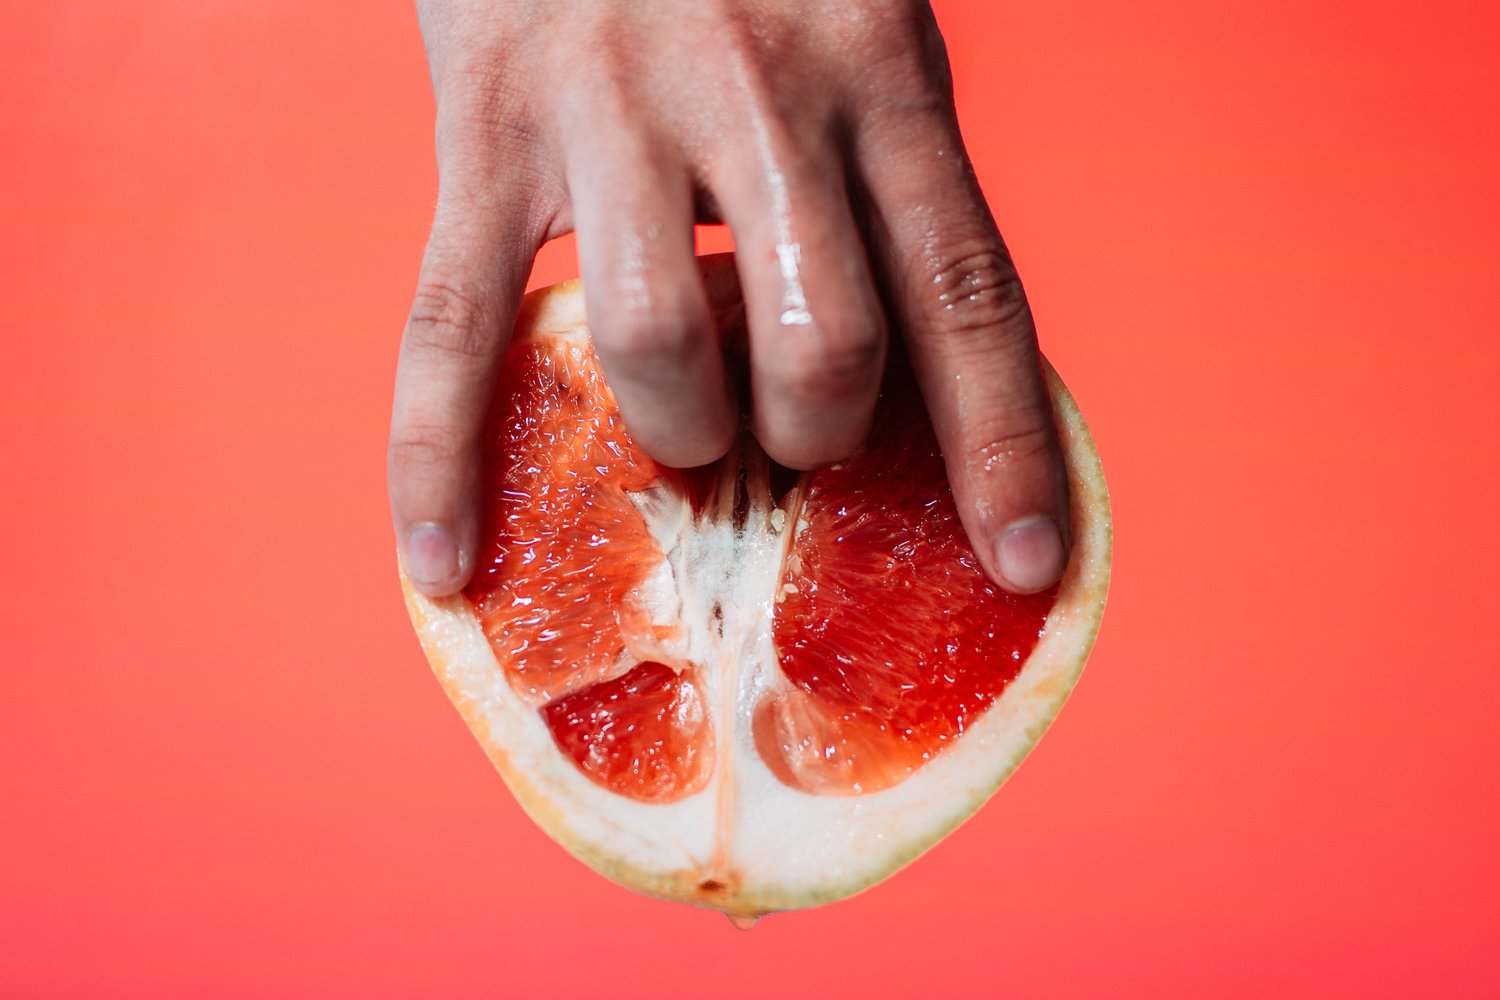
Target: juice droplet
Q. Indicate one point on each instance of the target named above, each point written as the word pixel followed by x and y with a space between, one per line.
pixel 741 921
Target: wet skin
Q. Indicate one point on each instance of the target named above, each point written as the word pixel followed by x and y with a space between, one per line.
pixel 825 136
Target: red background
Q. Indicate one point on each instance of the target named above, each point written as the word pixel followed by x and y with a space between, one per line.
pixel 1261 239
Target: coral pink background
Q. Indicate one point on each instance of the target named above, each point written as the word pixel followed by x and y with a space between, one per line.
pixel 1263 241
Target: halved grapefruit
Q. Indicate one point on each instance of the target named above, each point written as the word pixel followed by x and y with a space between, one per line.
pixel 736 686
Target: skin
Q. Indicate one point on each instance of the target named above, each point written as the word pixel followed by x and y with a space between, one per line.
pixel 825 136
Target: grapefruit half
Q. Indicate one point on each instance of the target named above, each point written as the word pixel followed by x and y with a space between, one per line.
pixel 737 686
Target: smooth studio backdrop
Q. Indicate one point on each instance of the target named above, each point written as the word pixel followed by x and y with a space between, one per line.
pixel 1261 241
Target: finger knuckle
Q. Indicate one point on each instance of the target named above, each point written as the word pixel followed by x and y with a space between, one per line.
pixel 905 67
pixel 486 136
pixel 642 336
pixel 449 322
pixel 422 447
pixel 1009 439
pixel 484 99
pixel 837 361
pixel 977 294
pixel 889 29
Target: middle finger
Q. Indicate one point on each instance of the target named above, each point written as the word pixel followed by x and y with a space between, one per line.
pixel 817 331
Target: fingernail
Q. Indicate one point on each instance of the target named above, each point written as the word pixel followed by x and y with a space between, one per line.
pixel 1030 553
pixel 431 555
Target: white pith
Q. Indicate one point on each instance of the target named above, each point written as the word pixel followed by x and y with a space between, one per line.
pixel 747 843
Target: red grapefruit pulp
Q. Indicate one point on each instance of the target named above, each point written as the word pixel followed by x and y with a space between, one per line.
pixel 679 670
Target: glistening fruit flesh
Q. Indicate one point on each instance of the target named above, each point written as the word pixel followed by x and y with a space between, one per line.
pixel 890 640
pixel 747 697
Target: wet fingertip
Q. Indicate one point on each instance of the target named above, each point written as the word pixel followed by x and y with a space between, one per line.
pixel 434 561
pixel 1029 554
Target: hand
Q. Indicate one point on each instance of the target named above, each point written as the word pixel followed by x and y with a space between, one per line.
pixel 825 136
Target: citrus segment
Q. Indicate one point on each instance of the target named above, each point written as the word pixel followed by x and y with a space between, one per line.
pixel 557 590
pixel 889 635
pixel 644 734
pixel 565 546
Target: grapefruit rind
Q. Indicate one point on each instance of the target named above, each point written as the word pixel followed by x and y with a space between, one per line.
pixel 767 847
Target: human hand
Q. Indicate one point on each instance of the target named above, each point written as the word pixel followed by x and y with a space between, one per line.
pixel 824 135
